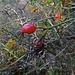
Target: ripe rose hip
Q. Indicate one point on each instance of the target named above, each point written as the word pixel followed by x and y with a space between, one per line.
pixel 66 2
pixel 56 16
pixel 74 71
pixel 38 45
pixel 28 28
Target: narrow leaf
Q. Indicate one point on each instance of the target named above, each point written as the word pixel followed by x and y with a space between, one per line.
pixel 40 25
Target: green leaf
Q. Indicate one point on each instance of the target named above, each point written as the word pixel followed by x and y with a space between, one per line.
pixel 33 1
pixel 40 25
pixel 51 72
pixel 45 32
pixel 6 30
pixel 2 44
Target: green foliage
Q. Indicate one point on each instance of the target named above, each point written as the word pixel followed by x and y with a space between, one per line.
pixel 52 71
pixel 40 25
pixel 33 1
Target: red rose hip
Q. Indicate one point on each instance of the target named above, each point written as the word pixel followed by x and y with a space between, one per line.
pixel 66 2
pixel 56 16
pixel 74 71
pixel 28 28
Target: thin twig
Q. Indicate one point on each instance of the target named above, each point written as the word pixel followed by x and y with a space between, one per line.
pixel 59 24
pixel 17 15
pixel 70 53
pixel 17 60
pixel 61 51
pixel 70 24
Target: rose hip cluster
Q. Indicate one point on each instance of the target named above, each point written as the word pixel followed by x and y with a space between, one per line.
pixel 29 28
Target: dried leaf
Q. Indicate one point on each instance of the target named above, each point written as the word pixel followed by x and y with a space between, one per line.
pixel 10 44
pixel 29 7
